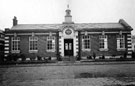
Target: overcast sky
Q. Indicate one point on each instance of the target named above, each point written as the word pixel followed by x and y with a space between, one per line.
pixel 53 11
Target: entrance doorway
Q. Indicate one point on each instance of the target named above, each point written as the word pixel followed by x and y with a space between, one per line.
pixel 68 47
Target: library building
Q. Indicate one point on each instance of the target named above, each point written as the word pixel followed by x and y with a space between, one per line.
pixel 69 39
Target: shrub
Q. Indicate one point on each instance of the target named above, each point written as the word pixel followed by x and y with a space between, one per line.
pixel 23 57
pixel 121 57
pixel 103 56
pixel 39 58
pixel 15 57
pixel 32 59
pixel 78 58
pixel 49 58
pixel 133 54
pixel 94 55
pixel 125 55
pixel 89 57
pixel 44 58
pixel 59 57
pixel 113 56
pixel 9 57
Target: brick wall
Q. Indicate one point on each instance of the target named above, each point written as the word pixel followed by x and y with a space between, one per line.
pixel 112 46
pixel 24 46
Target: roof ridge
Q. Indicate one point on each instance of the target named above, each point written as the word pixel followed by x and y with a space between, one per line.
pixel 39 24
pixel 100 23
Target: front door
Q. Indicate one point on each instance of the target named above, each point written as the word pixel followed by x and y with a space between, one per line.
pixel 68 47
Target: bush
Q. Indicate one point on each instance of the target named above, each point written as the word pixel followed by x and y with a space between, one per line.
pixel 49 58
pixel 78 58
pixel 103 56
pixel 39 58
pixel 89 57
pixel 9 57
pixel 121 57
pixel 32 59
pixel 59 57
pixel 23 57
pixel 14 57
pixel 94 55
pixel 125 55
pixel 133 54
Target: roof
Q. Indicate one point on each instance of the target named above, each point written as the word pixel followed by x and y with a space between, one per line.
pixel 57 26
pixel 35 26
pixel 78 26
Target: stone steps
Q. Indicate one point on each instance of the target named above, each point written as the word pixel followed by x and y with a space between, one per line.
pixel 68 59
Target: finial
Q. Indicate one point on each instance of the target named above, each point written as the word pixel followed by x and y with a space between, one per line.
pixel 68 6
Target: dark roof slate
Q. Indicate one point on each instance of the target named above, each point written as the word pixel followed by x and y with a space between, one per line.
pixel 121 25
pixel 58 26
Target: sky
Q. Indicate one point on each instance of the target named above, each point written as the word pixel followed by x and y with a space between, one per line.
pixel 53 11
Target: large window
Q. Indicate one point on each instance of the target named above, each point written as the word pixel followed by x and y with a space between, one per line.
pixel 15 44
pixel 120 42
pixel 50 43
pixel 33 42
pixel 86 42
pixel 103 43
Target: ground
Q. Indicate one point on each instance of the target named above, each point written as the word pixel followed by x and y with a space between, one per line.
pixel 68 75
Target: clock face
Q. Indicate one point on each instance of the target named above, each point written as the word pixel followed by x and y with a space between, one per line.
pixel 68 31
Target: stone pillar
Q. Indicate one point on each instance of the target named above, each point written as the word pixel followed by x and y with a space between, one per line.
pixel 129 45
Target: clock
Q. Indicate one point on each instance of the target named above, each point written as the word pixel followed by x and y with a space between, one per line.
pixel 68 31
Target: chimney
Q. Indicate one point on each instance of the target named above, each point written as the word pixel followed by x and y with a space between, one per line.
pixel 7 29
pixel 15 21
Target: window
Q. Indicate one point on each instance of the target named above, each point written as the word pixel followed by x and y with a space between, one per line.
pixel 51 43
pixel 33 44
pixel 15 44
pixel 120 42
pixel 86 42
pixel 103 43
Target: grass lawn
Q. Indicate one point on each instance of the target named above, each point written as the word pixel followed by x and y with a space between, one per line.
pixel 81 75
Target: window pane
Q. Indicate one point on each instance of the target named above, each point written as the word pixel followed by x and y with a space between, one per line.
pixel 86 42
pixel 120 42
pixel 15 43
pixel 50 43
pixel 33 43
pixel 103 41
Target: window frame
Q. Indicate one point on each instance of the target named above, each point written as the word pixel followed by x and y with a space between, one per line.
pixel 15 44
pixel 119 38
pixel 50 39
pixel 34 41
pixel 103 38
pixel 86 38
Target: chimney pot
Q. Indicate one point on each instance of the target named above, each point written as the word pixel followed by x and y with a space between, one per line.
pixel 15 21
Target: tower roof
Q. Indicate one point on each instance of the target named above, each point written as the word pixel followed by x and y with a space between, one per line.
pixel 68 17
